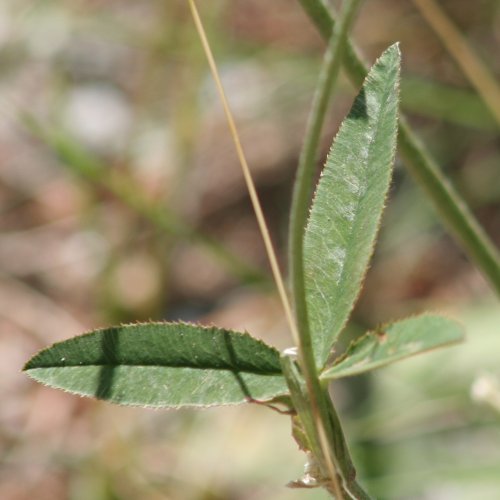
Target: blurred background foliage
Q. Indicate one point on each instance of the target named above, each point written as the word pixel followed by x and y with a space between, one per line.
pixel 121 200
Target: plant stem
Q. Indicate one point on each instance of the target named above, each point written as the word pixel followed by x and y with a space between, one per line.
pixel 341 451
pixel 336 447
pixel 322 436
pixel 447 103
pixel 449 204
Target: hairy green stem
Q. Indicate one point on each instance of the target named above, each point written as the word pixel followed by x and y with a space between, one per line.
pixel 449 204
pixel 320 415
pixel 341 450
pixel 337 446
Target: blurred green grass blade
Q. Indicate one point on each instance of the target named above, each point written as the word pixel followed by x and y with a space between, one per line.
pixel 460 49
pixel 394 342
pixel 81 162
pixel 348 204
pixel 444 102
pixel 162 365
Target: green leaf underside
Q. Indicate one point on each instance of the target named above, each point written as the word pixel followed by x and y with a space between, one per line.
pixel 348 204
pixel 394 342
pixel 162 365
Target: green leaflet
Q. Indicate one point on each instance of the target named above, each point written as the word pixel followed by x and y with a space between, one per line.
pixel 162 365
pixel 348 204
pixel 394 342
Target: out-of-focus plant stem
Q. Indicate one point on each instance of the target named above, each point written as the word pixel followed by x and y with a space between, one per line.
pixel 123 187
pixel 470 63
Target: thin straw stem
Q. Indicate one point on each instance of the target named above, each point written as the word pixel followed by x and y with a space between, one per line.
pixel 271 254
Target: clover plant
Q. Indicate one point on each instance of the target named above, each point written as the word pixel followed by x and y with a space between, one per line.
pixel 175 365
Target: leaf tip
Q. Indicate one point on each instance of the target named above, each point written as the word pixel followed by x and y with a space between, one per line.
pixel 393 50
pixel 30 364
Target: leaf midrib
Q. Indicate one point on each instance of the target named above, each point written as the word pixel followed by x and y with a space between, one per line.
pixel 157 365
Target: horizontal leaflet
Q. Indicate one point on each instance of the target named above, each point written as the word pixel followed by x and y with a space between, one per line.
pixel 162 365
